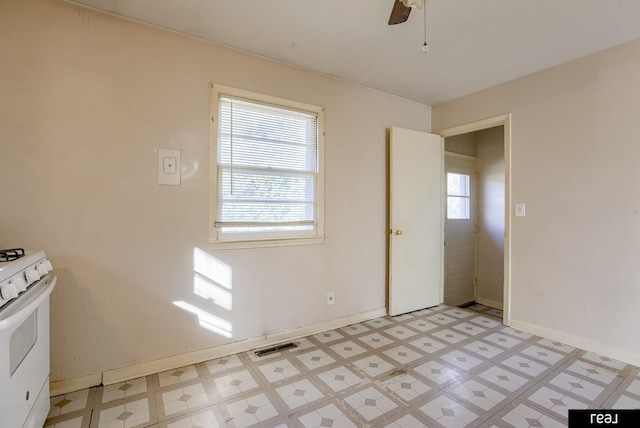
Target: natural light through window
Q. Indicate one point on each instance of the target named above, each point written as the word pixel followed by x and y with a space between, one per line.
pixel 212 300
pixel 268 182
pixel 458 196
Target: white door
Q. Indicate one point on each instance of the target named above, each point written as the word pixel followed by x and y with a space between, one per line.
pixel 416 170
pixel 460 231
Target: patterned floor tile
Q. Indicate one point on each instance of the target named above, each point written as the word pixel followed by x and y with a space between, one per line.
pixel 185 398
pixel 122 390
pixel 400 332
pixel 450 336
pixel 422 325
pixel 626 402
pixel 373 366
pixel 461 360
pixel 485 321
pixel 593 372
pixel 347 349
pixel 126 415
pixel 577 386
pixel 441 319
pixel 502 340
pixel 523 416
pixel 403 355
pixel 328 336
pixel 206 419
pixel 525 365
pixel 74 422
pixel 172 377
pixel 327 416
pixel 438 366
pixel 557 346
pixel 378 323
pixel 299 393
pixel 479 395
pixel 458 313
pixel 604 361
pixel 517 333
pixel 355 329
pixel 72 402
pixel 223 364
pixel 406 387
pixel 484 349
pixel 556 401
pixel 448 412
pixel 235 383
pixel 278 370
pixel 406 421
pixel 437 373
pixel 315 359
pixel 470 329
pixel 375 340
pixel 503 378
pixel 542 354
pixel 250 411
pixel 427 344
pixel 370 403
pixel 339 378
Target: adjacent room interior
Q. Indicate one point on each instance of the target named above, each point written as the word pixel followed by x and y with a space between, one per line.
pixel 165 291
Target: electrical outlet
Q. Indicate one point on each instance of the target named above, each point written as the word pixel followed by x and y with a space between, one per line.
pixel 331 298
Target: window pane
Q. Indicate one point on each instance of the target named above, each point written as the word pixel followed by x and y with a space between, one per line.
pixel 267 168
pixel 458 207
pixel 458 184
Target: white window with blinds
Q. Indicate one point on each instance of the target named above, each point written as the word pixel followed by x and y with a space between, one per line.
pixel 266 176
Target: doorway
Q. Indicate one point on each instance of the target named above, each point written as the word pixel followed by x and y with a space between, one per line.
pixel 460 227
pixel 488 144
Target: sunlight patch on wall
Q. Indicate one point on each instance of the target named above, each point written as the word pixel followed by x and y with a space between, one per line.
pixel 207 320
pixel 213 269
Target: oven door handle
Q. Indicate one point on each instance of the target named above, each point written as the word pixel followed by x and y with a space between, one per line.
pixel 26 303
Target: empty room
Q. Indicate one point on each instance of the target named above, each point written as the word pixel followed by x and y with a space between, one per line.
pixel 319 213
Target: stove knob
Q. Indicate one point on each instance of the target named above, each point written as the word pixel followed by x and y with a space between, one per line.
pixel 8 291
pixel 41 268
pixel 19 283
pixel 31 275
pixel 48 264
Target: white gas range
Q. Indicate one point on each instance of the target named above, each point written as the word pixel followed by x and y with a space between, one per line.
pixel 25 287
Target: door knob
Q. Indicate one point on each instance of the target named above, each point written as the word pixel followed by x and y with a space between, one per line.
pixel 398 232
pixel 446 243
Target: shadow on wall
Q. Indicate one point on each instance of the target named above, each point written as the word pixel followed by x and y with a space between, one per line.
pixel 212 281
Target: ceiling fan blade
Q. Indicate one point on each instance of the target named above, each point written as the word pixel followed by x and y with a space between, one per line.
pixel 399 13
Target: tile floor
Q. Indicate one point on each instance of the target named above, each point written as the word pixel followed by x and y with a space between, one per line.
pixel 439 367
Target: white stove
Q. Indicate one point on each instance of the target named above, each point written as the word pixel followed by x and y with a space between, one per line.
pixel 25 287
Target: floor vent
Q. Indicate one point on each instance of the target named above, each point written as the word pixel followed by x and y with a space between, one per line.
pixel 277 348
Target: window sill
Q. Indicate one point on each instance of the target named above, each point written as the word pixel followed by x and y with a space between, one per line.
pixel 233 245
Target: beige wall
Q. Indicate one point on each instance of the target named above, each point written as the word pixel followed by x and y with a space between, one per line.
pixel 491 188
pixel 574 162
pixel 87 99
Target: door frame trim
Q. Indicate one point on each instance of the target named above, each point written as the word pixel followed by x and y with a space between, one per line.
pixel 491 122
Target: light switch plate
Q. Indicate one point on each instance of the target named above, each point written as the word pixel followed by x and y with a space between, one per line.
pixel 520 210
pixel 169 167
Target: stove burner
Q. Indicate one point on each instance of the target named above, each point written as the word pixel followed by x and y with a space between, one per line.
pixel 11 254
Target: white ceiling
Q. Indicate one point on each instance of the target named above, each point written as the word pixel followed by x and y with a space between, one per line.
pixel 474 44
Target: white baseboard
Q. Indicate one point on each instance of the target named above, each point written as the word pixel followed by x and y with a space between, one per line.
pixel 491 303
pixel 149 367
pixel 578 342
pixel 65 386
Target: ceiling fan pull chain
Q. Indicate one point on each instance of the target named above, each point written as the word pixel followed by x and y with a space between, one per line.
pixel 425 47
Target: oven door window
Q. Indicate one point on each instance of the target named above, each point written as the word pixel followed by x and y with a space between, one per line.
pixel 22 340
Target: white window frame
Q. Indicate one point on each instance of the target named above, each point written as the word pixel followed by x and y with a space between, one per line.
pixel 461 197
pixel 218 240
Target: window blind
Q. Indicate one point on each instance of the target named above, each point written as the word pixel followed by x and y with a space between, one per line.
pixel 267 168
